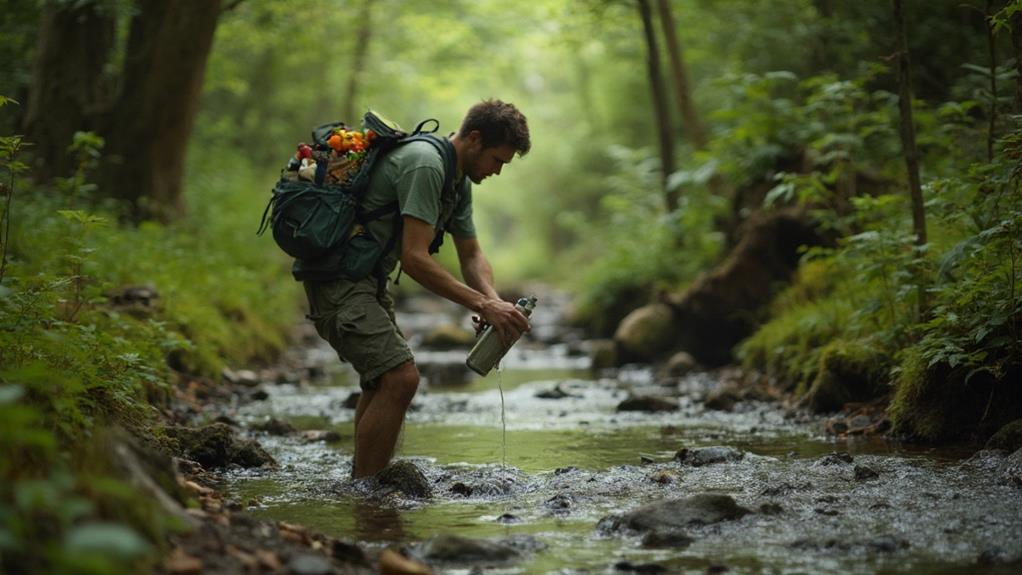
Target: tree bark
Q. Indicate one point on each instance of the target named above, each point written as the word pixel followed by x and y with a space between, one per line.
pixel 164 68
pixel 69 89
pixel 1016 43
pixel 992 51
pixel 679 75
pixel 908 133
pixel 661 116
pixel 358 63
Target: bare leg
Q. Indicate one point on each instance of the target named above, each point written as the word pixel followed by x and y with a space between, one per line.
pixel 382 414
pixel 363 402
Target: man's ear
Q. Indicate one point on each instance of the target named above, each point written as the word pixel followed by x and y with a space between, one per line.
pixel 475 138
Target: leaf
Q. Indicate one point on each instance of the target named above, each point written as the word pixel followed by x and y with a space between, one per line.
pixel 100 537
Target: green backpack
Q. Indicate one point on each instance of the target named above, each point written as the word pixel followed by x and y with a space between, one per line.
pixel 315 206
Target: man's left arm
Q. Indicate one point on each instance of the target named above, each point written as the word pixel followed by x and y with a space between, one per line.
pixel 475 269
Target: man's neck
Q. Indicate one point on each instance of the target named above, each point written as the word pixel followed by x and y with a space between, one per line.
pixel 459 153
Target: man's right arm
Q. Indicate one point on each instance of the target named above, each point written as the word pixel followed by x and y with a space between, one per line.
pixel 417 263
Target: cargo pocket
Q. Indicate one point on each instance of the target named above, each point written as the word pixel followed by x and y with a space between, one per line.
pixel 360 256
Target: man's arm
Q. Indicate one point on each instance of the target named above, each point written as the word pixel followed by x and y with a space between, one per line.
pixel 475 268
pixel 417 263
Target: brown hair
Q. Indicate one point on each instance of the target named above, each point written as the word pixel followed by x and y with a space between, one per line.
pixel 498 123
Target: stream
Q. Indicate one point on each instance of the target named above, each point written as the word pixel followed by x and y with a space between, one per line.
pixel 817 504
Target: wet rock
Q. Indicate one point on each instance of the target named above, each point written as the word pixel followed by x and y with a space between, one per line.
pixel 717 568
pixel 507 518
pixel 630 567
pixel 227 419
pixel 837 426
pixel 347 552
pixel 676 514
pixel 834 458
pixel 245 377
pixel 722 399
pixel 679 364
pixel 274 426
pixel 314 435
pixel 700 456
pixel 664 476
pixel 1011 470
pixel 863 473
pixel 602 354
pixel 556 393
pixel 447 337
pixel 1008 438
pixel 457 549
pixel 309 564
pixel 666 539
pixel 351 402
pixel 646 333
pixel 462 489
pixel 647 403
pixel 524 544
pixel 646 460
pixel 405 477
pixel 560 502
pixel 259 395
pixel 217 445
pixel 886 544
pixel 770 508
pixel 445 374
pixel 563 470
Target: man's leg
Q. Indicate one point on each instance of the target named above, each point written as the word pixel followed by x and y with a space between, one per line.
pixel 382 414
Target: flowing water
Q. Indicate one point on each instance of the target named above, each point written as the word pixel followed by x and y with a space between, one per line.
pixel 571 459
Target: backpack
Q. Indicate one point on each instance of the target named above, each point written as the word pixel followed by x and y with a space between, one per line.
pixel 314 213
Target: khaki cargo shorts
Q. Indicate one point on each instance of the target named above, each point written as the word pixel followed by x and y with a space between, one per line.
pixel 359 326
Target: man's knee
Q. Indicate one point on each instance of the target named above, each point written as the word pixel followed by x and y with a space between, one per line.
pixel 401 382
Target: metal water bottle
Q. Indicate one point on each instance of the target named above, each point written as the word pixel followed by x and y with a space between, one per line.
pixel 489 349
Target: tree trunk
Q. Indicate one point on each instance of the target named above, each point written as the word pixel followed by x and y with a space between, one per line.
pixel 908 133
pixel 69 88
pixel 164 68
pixel 992 51
pixel 358 64
pixel 661 116
pixel 1016 42
pixel 682 90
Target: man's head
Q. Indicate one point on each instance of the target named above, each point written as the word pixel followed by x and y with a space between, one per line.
pixel 490 135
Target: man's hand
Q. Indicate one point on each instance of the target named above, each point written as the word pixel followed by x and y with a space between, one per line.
pixel 505 319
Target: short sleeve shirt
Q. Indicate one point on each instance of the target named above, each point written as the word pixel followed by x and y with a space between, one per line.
pixel 413 174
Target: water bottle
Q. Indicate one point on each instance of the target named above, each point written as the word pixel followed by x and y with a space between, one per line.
pixel 489 349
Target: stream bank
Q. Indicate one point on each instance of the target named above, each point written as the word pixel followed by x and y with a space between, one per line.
pixel 599 463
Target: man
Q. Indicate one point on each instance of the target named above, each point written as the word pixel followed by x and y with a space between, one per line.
pixel 357 317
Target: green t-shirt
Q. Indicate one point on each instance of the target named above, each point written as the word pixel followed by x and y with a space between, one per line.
pixel 413 174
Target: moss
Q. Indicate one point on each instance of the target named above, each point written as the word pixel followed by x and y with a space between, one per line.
pixel 919 409
pixel 847 372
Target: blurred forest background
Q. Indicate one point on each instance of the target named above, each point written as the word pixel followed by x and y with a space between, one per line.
pixel 140 140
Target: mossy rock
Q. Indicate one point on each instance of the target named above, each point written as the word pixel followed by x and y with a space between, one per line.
pixel 1008 438
pixel 217 445
pixel 934 403
pixel 847 372
pixel 646 333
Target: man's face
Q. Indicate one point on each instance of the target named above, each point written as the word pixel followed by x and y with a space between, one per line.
pixel 485 162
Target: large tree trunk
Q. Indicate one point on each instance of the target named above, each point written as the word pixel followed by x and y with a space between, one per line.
pixel 358 64
pixel 1016 42
pixel 908 132
pixel 69 87
pixel 164 68
pixel 661 116
pixel 693 127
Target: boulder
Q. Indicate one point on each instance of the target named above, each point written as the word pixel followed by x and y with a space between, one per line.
pixel 677 514
pixel 646 334
pixel 457 549
pixel 647 403
pixel 603 354
pixel 700 456
pixel 1008 438
pixel 447 373
pixel 679 364
pixel 847 373
pixel 405 477
pixel 217 445
pixel 274 426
